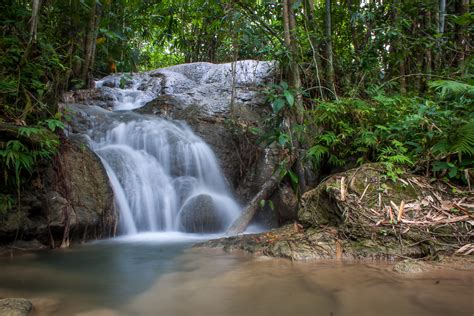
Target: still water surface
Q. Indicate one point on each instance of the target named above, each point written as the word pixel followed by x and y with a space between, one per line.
pixel 157 274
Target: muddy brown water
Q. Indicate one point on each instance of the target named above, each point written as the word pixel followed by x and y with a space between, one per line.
pixel 165 277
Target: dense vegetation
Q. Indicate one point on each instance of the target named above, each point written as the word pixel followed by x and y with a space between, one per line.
pixel 387 81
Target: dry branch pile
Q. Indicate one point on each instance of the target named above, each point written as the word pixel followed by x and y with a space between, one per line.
pixel 413 211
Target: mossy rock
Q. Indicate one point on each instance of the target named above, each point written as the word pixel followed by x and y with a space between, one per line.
pixel 369 211
pixel 71 201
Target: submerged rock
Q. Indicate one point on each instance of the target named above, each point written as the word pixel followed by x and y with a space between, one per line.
pixel 15 307
pixel 410 266
pixel 200 215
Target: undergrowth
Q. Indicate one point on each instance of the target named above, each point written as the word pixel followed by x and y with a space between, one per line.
pixel 433 135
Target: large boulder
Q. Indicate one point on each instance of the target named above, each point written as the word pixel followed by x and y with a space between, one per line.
pixel 69 200
pixel 200 215
pixel 411 209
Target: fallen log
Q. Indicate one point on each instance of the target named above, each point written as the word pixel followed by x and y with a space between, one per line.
pixel 241 223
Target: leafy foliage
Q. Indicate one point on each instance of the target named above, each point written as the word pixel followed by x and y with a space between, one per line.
pixel 434 135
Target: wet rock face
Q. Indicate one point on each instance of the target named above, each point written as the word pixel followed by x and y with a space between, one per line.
pixel 15 307
pixel 207 97
pixel 199 215
pixel 71 201
pixel 286 203
pixel 208 87
pixel 204 95
pixel 201 95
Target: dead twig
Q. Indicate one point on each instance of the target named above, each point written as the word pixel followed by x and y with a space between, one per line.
pixel 363 193
pixel 343 188
pixel 400 211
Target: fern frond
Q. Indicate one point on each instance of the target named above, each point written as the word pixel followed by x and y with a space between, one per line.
pixel 451 88
pixel 464 144
pixel 335 161
pixel 367 138
pixel 329 138
pixel 441 147
pixel 316 153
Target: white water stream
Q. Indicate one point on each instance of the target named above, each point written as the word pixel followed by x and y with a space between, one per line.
pixel 164 177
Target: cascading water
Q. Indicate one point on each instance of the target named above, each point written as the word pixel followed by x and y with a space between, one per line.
pixel 164 177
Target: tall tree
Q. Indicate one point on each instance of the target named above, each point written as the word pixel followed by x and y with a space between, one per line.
pixel 329 51
pixel 310 30
pixel 90 43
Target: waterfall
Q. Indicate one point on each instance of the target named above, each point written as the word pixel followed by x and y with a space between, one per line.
pixel 164 177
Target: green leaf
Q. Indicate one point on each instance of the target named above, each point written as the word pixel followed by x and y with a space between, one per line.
pixel 453 172
pixel 293 177
pixel 277 105
pixel 283 139
pixel 272 206
pixel 289 97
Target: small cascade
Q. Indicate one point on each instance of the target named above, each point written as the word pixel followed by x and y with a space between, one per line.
pixel 126 92
pixel 164 177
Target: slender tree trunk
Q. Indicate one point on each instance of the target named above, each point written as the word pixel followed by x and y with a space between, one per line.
pixel 295 80
pixel 89 44
pixel 329 52
pixel 428 54
pixel 35 8
pixel 313 41
pixel 461 34
pixel 398 50
pixel 403 80
pixel 442 16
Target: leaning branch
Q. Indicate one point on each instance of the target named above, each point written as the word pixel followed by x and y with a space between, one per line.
pixel 241 223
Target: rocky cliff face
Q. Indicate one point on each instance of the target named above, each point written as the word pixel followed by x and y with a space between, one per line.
pixel 221 103
pixel 69 200
pixel 216 100
pixel 72 199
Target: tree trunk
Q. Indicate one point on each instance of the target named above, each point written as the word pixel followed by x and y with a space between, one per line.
pixel 442 16
pixel 35 8
pixel 313 41
pixel 289 23
pixel 89 45
pixel 461 34
pixel 329 54
pixel 428 54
